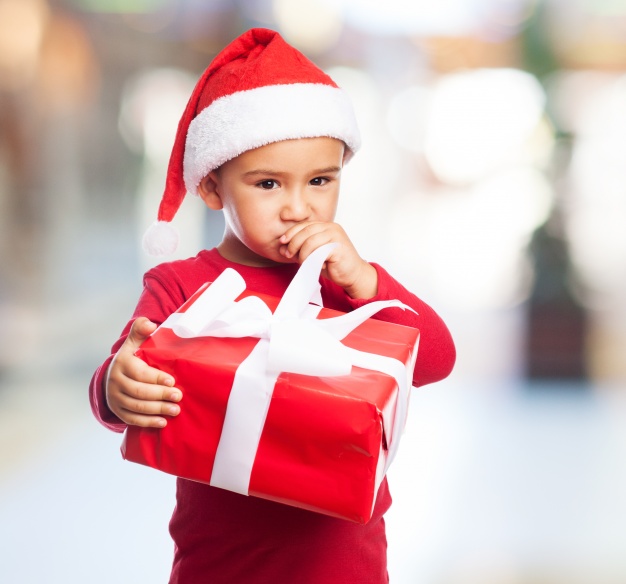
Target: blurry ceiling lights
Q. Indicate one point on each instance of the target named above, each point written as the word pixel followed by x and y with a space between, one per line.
pixel 122 6
pixel 410 17
pixel 488 18
pixel 481 121
pixel 446 54
pixel 313 26
pixel 22 25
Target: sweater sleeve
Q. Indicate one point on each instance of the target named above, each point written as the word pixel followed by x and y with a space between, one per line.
pixel 436 354
pixel 161 296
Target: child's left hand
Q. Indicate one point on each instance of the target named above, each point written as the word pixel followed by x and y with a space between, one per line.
pixel 344 266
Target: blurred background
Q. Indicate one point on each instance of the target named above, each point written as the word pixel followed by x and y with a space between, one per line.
pixel 492 182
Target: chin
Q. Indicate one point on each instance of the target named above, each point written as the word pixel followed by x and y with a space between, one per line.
pixel 271 254
pixel 266 257
pixel 279 259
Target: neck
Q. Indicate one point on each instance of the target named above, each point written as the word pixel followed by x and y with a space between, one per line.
pixel 232 249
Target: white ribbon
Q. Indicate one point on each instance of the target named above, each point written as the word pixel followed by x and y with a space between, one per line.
pixel 292 340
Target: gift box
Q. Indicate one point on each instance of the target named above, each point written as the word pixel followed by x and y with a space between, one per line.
pixel 282 399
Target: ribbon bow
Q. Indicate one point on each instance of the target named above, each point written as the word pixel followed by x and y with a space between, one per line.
pixel 293 340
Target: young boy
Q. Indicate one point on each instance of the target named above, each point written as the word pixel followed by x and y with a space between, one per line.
pixel 264 138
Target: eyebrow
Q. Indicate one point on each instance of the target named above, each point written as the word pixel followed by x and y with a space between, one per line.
pixel 263 171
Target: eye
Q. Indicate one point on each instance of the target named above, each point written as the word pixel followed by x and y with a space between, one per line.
pixel 268 184
pixel 319 181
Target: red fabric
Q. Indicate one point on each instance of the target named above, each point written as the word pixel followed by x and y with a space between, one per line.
pixel 257 58
pixel 225 537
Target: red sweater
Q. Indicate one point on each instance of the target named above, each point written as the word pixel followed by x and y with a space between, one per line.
pixel 224 537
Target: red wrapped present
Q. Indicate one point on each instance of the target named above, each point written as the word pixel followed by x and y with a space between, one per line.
pixel 283 399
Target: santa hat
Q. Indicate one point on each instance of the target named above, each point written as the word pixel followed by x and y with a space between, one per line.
pixel 258 90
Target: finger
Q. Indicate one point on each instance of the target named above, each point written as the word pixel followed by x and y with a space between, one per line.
pixel 293 246
pixel 313 237
pixel 140 330
pixel 136 369
pixel 293 230
pixel 293 237
pixel 134 419
pixel 126 364
pixel 315 241
pixel 147 407
pixel 136 390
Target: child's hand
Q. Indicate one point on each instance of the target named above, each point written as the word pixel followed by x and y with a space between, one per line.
pixel 137 393
pixel 344 266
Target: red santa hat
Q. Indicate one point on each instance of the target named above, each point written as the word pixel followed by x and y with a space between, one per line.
pixel 256 91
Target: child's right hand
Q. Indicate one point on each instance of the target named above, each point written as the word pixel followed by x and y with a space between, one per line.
pixel 136 393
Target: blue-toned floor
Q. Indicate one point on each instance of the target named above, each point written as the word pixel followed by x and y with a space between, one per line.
pixel 501 484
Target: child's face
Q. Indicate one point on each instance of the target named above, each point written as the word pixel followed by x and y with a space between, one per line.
pixel 265 191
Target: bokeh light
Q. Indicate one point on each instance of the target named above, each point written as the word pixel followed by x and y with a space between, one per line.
pixel 458 229
pixel 313 26
pixel 479 122
pixel 22 24
pixel 598 185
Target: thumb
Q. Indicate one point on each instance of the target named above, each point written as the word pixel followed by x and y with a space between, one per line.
pixel 140 330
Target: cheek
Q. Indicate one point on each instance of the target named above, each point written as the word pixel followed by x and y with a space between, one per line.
pixel 328 207
pixel 247 217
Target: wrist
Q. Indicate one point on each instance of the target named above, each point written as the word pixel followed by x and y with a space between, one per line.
pixel 366 285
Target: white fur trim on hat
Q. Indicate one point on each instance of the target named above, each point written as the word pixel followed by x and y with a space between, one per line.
pixel 245 120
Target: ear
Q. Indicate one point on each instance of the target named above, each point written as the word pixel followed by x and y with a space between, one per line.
pixel 208 191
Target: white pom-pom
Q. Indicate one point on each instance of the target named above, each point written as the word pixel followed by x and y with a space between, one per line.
pixel 160 239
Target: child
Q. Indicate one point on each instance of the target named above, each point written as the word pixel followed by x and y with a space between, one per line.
pixel 264 138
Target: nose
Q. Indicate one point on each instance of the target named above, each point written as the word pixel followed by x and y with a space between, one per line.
pixel 295 206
